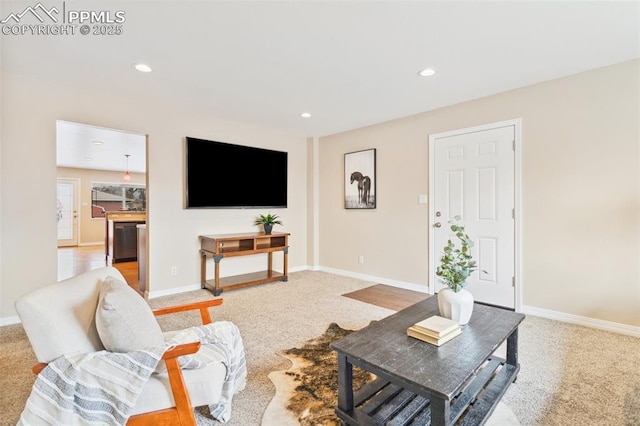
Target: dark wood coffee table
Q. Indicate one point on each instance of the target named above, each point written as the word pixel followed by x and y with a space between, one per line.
pixel 417 383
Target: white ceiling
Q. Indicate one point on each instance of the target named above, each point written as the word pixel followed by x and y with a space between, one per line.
pixel 90 147
pixel 349 63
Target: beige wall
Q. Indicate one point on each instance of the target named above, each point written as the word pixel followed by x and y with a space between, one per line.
pixel 92 229
pixel 28 246
pixel 580 191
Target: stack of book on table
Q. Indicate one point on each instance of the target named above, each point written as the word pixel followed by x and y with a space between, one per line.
pixel 436 330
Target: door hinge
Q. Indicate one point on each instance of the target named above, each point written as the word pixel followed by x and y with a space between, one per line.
pixel 513 213
pixel 513 281
pixel 513 144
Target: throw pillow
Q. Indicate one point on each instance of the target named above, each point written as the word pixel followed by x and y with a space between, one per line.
pixel 124 320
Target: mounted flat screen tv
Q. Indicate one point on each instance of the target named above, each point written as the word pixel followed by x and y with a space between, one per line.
pixel 224 175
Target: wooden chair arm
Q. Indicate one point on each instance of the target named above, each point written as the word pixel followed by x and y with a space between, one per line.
pixel 202 306
pixel 182 413
pixel 172 352
pixel 179 350
pixel 39 367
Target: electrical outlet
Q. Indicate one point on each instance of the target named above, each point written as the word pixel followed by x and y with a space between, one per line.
pixel 422 199
pixel 361 259
pixel 174 270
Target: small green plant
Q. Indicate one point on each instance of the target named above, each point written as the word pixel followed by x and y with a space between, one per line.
pixel 456 264
pixel 268 219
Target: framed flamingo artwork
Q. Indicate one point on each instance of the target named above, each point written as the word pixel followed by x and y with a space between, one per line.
pixel 360 179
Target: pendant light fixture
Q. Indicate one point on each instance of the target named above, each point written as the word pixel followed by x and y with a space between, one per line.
pixel 127 176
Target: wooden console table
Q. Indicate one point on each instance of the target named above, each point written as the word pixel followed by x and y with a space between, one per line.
pixel 230 245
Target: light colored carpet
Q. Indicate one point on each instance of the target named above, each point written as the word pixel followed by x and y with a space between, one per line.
pixel 570 375
pixel 279 316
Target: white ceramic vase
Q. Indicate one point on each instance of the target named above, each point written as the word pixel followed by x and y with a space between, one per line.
pixel 456 306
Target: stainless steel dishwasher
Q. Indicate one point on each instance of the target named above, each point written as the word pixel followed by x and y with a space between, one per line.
pixel 125 241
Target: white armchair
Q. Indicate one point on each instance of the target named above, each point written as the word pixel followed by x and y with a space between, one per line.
pixel 60 319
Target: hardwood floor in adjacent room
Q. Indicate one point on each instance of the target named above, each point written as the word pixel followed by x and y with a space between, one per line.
pixel 75 260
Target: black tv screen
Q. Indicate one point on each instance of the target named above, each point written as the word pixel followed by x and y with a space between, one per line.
pixel 224 175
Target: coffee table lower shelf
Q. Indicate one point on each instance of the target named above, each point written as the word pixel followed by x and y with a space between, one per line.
pixel 382 402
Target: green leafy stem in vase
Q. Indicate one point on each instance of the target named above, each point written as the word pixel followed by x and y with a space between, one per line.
pixel 456 263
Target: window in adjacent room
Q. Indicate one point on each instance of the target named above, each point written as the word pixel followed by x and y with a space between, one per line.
pixel 110 197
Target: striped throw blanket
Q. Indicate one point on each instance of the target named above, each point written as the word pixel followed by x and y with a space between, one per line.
pixel 101 388
pixel 221 342
pixel 89 389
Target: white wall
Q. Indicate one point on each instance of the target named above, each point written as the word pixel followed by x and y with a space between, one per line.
pixel 28 181
pixel 580 189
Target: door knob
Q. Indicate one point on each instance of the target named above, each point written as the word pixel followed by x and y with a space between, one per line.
pixel 437 225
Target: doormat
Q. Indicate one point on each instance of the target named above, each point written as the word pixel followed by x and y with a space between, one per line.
pixel 387 296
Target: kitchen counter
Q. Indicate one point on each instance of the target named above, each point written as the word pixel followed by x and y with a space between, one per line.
pixel 126 216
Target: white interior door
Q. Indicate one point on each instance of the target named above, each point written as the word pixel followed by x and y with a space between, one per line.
pixel 472 175
pixel 67 212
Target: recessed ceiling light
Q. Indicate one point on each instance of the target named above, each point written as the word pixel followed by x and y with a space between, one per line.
pixel 88 159
pixel 427 72
pixel 305 115
pixel 143 67
pixel 98 142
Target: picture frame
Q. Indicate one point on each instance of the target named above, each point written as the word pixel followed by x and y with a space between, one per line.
pixel 360 179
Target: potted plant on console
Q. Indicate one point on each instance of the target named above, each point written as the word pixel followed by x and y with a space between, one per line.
pixel 267 221
pixel 456 265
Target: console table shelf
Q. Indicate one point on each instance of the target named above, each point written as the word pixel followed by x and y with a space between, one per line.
pixel 245 244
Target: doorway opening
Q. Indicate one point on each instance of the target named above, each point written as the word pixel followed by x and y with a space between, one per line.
pixel 97 157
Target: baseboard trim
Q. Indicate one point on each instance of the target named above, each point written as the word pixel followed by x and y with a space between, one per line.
pixel 96 243
pixel 10 321
pixel 614 327
pixel 193 287
pixel 175 290
pixel 529 310
pixel 377 280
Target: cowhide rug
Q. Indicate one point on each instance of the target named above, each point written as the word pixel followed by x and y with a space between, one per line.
pixel 307 393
